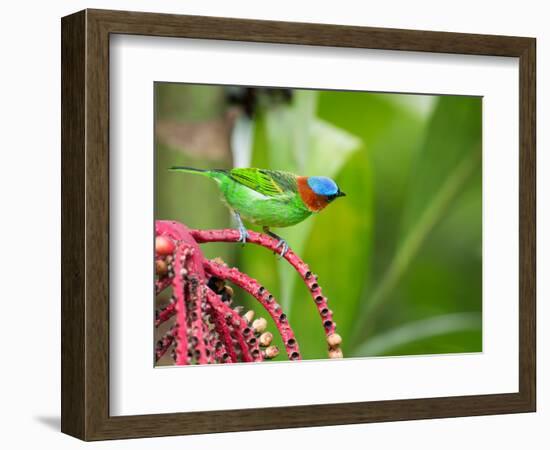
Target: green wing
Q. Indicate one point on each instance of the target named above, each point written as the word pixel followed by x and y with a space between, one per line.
pixel 271 183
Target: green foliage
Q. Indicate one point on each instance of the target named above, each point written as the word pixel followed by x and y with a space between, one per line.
pixel 449 156
pixel 400 256
pixel 180 197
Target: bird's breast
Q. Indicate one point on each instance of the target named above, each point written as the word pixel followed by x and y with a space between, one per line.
pixel 259 209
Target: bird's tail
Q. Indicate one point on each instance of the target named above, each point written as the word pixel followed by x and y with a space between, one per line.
pixel 187 169
pixel 211 173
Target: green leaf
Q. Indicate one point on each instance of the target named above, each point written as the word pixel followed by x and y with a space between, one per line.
pixel 450 157
pixel 453 141
pixel 438 331
pixel 189 103
pixel 391 129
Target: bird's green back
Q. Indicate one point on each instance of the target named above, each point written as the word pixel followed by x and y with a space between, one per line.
pixel 264 197
pixel 270 183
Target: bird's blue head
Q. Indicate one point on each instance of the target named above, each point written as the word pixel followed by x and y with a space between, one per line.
pixel 325 187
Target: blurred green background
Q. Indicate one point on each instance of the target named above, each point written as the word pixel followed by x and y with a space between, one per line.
pixel 399 257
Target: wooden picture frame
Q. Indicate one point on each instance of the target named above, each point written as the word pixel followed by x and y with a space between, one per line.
pixel 85 224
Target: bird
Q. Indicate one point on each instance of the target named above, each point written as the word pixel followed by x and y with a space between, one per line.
pixel 270 198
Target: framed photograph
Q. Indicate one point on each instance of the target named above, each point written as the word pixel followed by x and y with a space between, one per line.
pixel 270 224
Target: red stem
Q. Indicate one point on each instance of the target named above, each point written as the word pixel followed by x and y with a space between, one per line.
pixel 225 335
pixel 231 338
pixel 209 341
pixel 264 297
pixel 196 295
pixel 164 344
pixel 180 307
pixel 179 233
pixel 162 284
pixel 243 333
pixel 230 235
pixel 165 313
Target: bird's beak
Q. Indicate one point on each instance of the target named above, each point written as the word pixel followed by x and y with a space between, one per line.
pixel 340 194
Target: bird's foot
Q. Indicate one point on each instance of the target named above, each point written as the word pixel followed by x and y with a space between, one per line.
pixel 282 243
pixel 284 247
pixel 243 235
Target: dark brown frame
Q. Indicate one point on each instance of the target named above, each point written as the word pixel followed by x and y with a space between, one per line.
pixel 85 224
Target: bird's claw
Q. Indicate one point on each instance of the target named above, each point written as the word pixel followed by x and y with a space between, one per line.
pixel 282 243
pixel 243 235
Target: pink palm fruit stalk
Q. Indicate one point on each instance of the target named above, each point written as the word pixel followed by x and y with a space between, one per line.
pixel 264 297
pixel 206 328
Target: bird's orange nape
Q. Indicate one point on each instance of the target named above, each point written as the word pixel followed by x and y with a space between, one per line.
pixel 313 201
